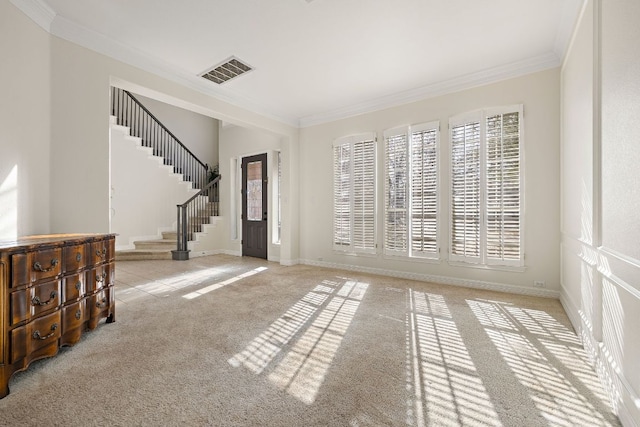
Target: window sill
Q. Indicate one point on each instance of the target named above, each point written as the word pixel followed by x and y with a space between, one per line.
pixel 488 267
pixel 418 260
pixel 362 254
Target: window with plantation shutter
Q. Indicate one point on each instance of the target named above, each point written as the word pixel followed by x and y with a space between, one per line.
pixel 411 203
pixel 465 190
pixel 424 191
pixel 396 192
pixel 503 188
pixel 354 194
pixel 486 187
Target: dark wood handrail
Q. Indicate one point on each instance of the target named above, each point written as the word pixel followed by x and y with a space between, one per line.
pixel 191 215
pixel 130 112
pixel 163 127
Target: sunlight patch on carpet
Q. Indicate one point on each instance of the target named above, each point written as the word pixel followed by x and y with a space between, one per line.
pixel 528 357
pixel 444 382
pixel 320 319
pixel 262 350
pixel 303 369
pixel 219 285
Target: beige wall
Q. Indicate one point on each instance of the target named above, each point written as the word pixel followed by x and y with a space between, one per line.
pixel 539 93
pixel 600 250
pixel 80 134
pixel 25 108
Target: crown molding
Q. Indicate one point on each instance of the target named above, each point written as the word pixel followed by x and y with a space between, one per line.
pixel 61 27
pixel 456 84
pixel 38 11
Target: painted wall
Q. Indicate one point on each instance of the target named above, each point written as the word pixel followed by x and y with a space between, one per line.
pixel 539 93
pixel 25 108
pixel 237 142
pixel 197 132
pixel 600 154
pixel 144 191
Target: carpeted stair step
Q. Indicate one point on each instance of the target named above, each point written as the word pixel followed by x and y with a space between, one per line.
pixel 142 254
pixel 163 244
pixel 170 235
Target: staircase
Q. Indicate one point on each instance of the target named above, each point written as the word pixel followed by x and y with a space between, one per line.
pixel 149 179
pixel 150 249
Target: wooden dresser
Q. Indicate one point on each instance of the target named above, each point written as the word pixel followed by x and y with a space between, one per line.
pixel 52 288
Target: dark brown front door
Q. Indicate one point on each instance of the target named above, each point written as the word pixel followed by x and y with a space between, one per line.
pixel 254 206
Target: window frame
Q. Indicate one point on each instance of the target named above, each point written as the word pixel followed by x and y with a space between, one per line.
pixel 408 132
pixel 350 247
pixel 483 259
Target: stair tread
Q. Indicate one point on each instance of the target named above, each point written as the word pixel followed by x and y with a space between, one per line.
pixel 143 254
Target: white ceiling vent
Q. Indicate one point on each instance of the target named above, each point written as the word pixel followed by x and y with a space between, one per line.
pixel 229 69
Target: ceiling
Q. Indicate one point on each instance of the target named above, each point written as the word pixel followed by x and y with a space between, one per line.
pixel 319 60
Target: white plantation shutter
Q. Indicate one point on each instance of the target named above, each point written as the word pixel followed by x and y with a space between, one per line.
pixel 354 194
pixel 396 192
pixel 486 187
pixel 465 189
pixel 341 195
pixel 364 191
pixel 503 189
pixel 411 202
pixel 424 190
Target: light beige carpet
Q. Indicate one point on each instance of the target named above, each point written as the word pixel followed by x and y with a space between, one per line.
pixel 227 341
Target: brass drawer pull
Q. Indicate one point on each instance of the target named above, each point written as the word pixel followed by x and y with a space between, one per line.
pixel 101 278
pixel 37 336
pixel 78 286
pixel 36 300
pixel 38 267
pixel 102 304
pixel 78 314
pixel 78 257
pixel 101 253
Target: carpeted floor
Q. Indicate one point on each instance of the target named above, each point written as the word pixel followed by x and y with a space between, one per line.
pixel 228 341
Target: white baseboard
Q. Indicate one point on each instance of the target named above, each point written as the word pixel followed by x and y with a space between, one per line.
pixel 572 310
pixel 230 252
pixel 197 254
pixel 290 262
pixel 628 403
pixel 476 284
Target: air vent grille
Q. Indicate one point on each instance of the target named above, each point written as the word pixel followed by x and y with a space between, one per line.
pixel 226 71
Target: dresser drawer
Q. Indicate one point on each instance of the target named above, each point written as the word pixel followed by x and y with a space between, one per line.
pixel 32 336
pixel 74 316
pixel 99 252
pixel 100 277
pixel 111 249
pixel 100 303
pixel 35 266
pixel 74 287
pixel 74 258
pixel 32 301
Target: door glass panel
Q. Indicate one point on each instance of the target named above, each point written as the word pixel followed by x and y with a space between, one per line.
pixel 254 191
